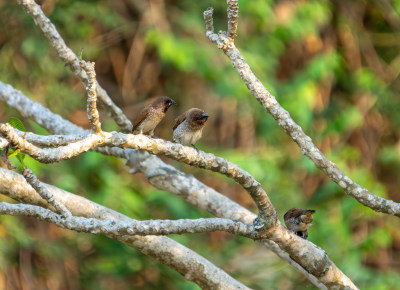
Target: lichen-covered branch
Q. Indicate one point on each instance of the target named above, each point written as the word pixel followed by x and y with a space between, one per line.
pixel 162 249
pixel 44 193
pixel 72 61
pixel 233 17
pixel 130 228
pixel 93 113
pixel 284 120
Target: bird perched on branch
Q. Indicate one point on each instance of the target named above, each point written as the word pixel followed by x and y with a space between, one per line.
pixel 299 220
pixel 189 127
pixel 151 115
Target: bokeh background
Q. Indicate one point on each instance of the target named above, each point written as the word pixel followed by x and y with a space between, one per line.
pixel 333 65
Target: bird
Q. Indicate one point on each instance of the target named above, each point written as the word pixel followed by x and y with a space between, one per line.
pixel 189 126
pixel 298 220
pixel 151 115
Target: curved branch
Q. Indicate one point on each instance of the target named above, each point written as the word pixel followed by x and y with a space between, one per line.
pixel 284 120
pixel 267 214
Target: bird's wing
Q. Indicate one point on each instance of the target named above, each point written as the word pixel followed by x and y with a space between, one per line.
pixel 140 118
pixel 179 120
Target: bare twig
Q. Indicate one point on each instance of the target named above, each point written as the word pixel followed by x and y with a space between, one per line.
pixel 233 16
pixel 44 193
pixel 284 120
pixel 70 59
pixel 93 113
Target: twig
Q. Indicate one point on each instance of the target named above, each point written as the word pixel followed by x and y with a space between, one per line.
pixel 233 16
pixel 93 113
pixel 44 193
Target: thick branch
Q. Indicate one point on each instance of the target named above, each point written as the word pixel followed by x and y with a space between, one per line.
pixel 72 61
pixel 162 249
pixel 284 120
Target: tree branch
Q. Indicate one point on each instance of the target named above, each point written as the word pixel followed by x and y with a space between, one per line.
pixel 93 114
pixel 44 193
pixel 72 61
pixel 130 228
pixel 233 16
pixel 284 120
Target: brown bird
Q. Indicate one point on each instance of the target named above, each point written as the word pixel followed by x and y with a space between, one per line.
pixel 299 220
pixel 189 127
pixel 151 115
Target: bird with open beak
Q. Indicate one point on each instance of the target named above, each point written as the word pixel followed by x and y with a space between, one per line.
pixel 299 220
pixel 189 126
pixel 151 115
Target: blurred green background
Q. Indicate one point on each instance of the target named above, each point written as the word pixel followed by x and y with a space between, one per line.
pixel 333 65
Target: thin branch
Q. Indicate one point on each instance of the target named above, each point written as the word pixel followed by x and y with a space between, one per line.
pixel 284 120
pixel 54 123
pixel 44 193
pixel 49 141
pixel 162 249
pixel 130 228
pixel 93 113
pixel 233 17
pixel 72 61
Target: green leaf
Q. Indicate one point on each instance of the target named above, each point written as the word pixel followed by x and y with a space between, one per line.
pixel 16 123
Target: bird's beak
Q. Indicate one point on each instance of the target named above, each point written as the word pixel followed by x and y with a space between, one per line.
pixel 204 116
pixel 171 103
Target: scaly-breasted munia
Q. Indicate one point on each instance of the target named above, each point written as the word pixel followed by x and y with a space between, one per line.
pixel 151 115
pixel 189 127
pixel 299 220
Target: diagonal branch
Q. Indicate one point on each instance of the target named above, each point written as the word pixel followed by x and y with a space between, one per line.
pixel 72 61
pixel 44 193
pixel 284 120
